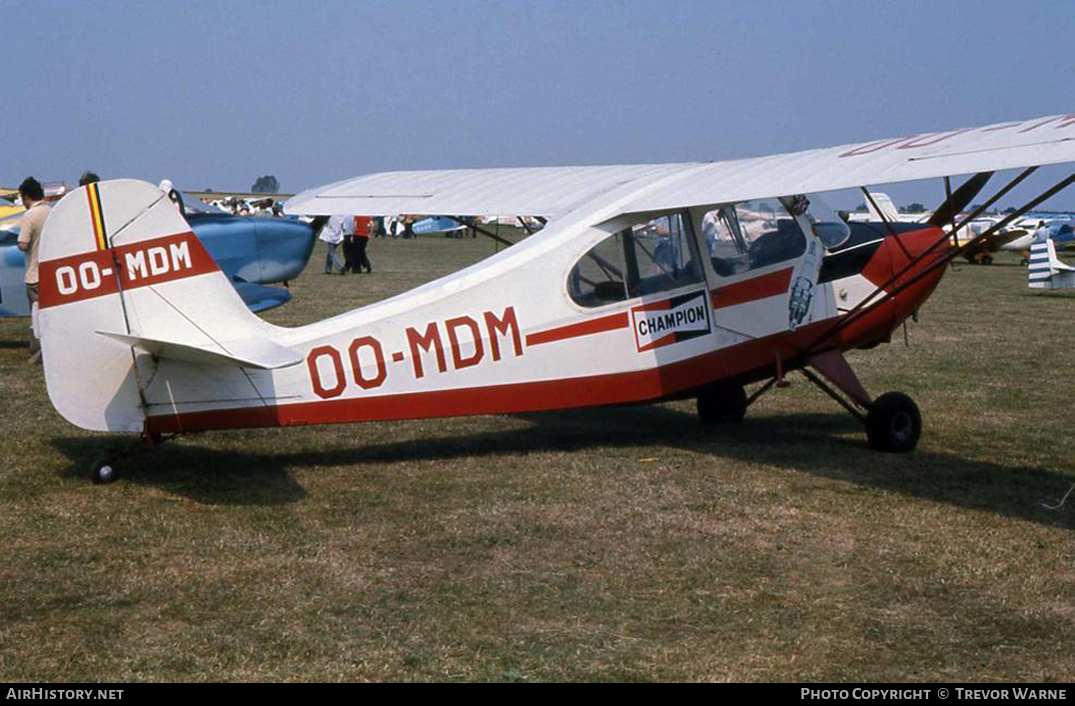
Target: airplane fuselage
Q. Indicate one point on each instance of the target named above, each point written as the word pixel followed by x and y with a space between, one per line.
pixel 488 341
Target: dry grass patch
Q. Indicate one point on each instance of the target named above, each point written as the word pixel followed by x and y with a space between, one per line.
pixel 613 544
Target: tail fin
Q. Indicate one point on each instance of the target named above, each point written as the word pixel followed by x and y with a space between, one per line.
pixel 1046 270
pixel 124 281
pixel 888 210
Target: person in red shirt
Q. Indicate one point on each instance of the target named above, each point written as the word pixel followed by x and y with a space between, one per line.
pixel 357 260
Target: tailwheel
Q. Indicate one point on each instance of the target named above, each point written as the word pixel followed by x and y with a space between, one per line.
pixel 104 472
pixel 893 423
pixel 722 404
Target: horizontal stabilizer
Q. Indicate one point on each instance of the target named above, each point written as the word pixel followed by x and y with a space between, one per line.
pixel 250 353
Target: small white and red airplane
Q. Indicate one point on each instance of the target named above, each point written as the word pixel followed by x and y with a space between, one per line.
pixel 648 283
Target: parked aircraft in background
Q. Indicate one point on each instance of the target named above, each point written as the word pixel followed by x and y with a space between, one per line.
pixel 1046 270
pixel 880 207
pixel 54 191
pixel 251 252
pixel 1060 231
pixel 983 249
pixel 440 225
pixel 9 210
pixel 9 217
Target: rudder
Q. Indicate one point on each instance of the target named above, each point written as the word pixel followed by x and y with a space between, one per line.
pixel 116 257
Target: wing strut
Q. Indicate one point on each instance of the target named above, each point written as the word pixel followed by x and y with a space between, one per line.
pixel 490 234
pixel 950 215
pixel 956 201
pixel 996 197
pixel 884 219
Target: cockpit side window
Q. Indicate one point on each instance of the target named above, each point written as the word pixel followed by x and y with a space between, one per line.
pixel 660 255
pixel 651 257
pixel 751 235
pixel 598 278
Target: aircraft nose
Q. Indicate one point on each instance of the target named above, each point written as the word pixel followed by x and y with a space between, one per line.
pixel 907 254
pixel 925 242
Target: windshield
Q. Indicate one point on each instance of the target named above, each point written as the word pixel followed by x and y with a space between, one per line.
pixel 750 235
pixel 829 228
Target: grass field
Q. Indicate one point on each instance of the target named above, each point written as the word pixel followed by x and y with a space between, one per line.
pixel 604 544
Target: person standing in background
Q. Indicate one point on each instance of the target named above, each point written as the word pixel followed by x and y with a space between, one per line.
pixel 356 242
pixel 30 227
pixel 332 234
pixel 364 230
pixel 347 244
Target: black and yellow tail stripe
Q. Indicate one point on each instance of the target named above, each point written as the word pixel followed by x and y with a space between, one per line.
pixel 97 215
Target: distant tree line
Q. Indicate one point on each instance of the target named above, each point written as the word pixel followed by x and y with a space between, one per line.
pixel 266 185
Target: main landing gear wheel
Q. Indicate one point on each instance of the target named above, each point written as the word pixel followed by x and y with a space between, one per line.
pixel 987 260
pixel 722 404
pixel 893 423
pixel 103 472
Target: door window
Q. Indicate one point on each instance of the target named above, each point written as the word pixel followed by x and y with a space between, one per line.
pixel 656 256
pixel 751 235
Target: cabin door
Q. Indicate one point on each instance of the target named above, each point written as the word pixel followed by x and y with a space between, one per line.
pixel 761 266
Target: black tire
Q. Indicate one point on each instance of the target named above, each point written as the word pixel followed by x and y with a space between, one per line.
pixel 722 404
pixel 987 260
pixel 103 472
pixel 894 423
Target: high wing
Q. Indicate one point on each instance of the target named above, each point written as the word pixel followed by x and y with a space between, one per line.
pixel 534 191
pixel 555 191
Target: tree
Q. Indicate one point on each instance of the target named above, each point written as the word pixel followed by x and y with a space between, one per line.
pixel 915 208
pixel 266 185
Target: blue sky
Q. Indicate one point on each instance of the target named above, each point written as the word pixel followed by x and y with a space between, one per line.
pixel 214 94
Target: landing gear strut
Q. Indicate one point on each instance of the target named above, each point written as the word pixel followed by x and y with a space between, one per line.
pixel 893 422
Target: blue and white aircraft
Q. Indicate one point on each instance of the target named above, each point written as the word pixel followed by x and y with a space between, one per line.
pixel 251 252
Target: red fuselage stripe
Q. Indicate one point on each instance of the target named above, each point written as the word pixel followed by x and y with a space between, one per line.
pixel 583 328
pixel 615 388
pixel 749 290
pixel 753 289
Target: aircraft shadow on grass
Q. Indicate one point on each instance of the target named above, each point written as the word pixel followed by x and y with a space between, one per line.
pixel 825 445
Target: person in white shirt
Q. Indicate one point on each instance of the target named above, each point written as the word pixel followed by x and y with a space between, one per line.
pixel 30 227
pixel 333 234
